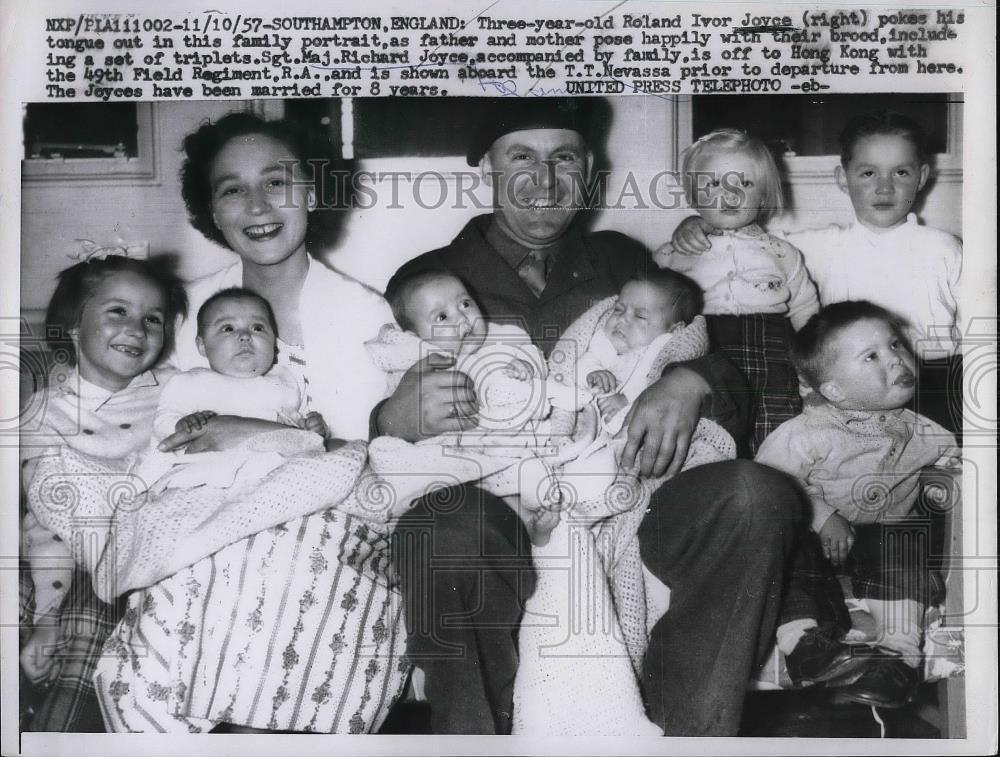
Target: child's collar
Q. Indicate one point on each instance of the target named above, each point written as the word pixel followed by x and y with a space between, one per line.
pixel 848 416
pixel 750 231
pixel 72 383
pixel 909 222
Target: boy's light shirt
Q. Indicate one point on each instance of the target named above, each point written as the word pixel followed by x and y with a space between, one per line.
pixel 862 464
pixel 910 269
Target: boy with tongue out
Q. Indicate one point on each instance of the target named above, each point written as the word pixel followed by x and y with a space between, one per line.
pixel 858 453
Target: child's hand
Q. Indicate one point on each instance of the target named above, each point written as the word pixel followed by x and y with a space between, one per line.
pixel 602 381
pixel 611 404
pixel 837 538
pixel 691 236
pixel 38 654
pixel 314 422
pixel 194 423
pixel 519 369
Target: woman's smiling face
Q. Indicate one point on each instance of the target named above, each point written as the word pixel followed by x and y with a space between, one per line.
pixel 260 200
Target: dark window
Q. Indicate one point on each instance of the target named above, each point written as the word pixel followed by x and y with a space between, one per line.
pixel 81 130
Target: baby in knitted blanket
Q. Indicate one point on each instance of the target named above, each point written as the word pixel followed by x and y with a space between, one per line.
pixel 506 451
pixel 237 334
pixel 629 341
pixel 589 573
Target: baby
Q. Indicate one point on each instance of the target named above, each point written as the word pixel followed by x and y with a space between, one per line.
pixel 506 369
pixel 649 310
pixel 237 334
pixel 859 454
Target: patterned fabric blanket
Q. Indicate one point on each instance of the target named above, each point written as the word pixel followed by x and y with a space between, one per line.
pixel 586 626
pixel 127 538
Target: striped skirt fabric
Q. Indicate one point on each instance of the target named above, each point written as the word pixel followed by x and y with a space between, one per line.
pixel 293 629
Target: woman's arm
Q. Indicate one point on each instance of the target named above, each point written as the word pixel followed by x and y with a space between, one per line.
pixel 223 432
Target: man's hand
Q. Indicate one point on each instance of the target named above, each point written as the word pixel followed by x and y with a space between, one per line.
pixel 195 423
pixel 222 432
pixel 431 399
pixel 691 236
pixel 519 369
pixel 314 422
pixel 837 538
pixel 611 404
pixel 662 421
pixel 602 381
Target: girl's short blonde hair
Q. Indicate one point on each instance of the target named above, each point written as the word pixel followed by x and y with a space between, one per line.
pixel 727 140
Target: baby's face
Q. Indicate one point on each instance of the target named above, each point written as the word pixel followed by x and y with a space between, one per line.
pixel 443 313
pixel 868 368
pixel 728 189
pixel 883 180
pixel 642 313
pixel 238 338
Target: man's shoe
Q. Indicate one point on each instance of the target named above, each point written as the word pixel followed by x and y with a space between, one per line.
pixel 818 657
pixel 889 682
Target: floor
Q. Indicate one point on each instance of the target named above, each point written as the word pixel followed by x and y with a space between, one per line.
pixel 801 713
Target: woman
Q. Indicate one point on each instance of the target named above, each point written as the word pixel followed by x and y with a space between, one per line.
pixel 294 628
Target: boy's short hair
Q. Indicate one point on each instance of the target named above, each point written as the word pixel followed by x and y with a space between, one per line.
pixel 810 347
pixel 400 290
pixel 884 122
pixel 685 296
pixel 233 294
pixel 725 140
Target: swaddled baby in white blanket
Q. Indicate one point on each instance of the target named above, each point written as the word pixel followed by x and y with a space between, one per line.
pixel 238 336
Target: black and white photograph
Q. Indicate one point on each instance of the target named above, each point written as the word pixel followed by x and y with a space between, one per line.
pixel 568 413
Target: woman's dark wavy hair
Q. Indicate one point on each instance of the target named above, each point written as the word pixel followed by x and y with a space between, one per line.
pixel 77 283
pixel 313 152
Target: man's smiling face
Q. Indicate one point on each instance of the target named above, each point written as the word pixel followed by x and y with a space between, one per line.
pixel 538 177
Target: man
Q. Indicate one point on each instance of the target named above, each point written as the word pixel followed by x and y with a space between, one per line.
pixel 716 535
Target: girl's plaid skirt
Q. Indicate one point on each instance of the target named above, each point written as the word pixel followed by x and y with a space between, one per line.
pixel 69 703
pixel 759 345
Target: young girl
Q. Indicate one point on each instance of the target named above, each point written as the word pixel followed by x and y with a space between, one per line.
pixel 756 286
pixel 113 317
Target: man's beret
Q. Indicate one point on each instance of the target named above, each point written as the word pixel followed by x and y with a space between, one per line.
pixel 510 114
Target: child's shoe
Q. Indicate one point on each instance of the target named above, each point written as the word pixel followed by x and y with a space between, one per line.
pixel 889 682
pixel 819 657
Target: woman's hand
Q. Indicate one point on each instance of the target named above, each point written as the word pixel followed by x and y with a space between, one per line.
pixel 662 421
pixel 195 422
pixel 691 236
pixel 222 432
pixel 431 399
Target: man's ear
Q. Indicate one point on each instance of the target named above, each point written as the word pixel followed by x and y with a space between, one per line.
pixel 486 168
pixel 310 200
pixel 925 174
pixel 841 176
pixel 831 391
pixel 200 344
pixel 590 165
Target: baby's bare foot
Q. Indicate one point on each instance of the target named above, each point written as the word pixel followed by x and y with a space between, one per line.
pixel 539 508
